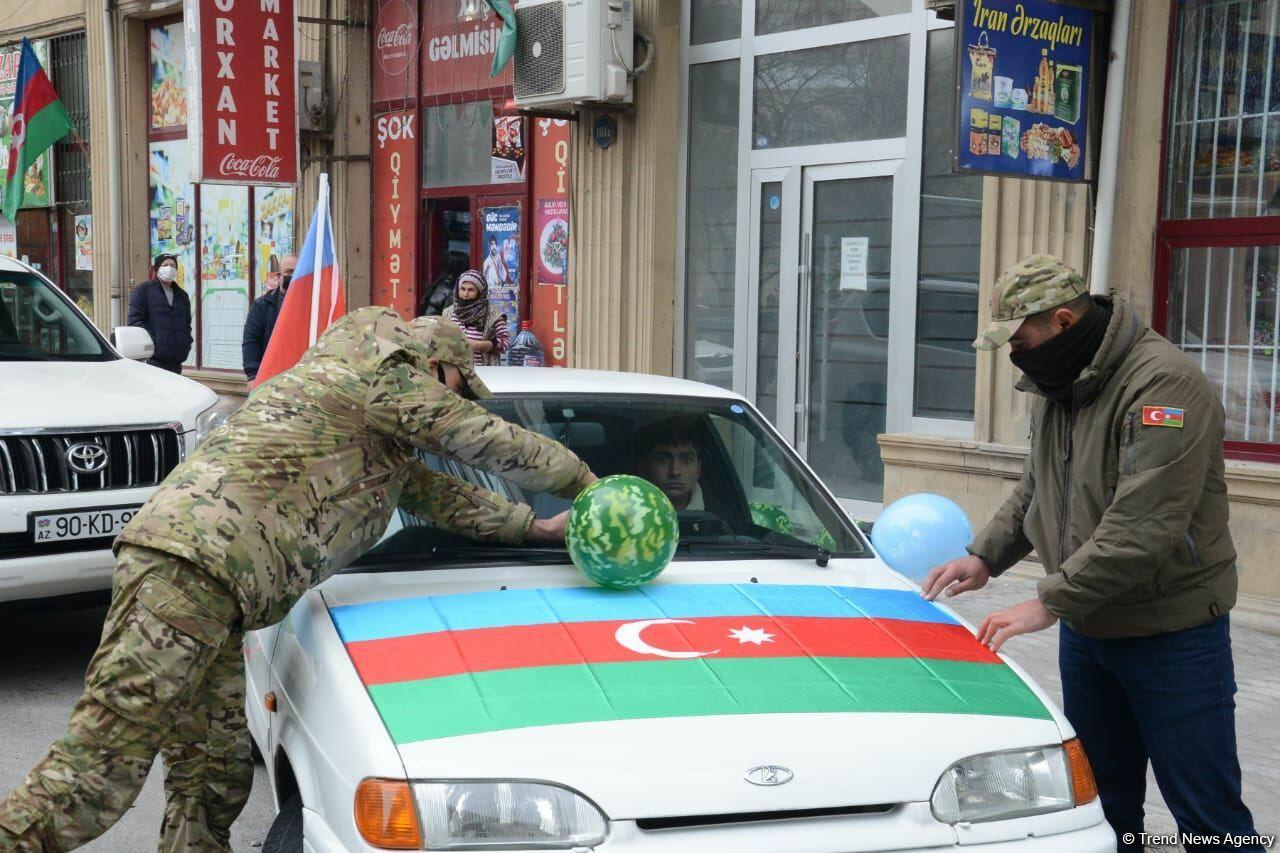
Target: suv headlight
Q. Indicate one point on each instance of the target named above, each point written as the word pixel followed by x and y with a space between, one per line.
pixel 214 417
pixel 501 814
pixel 1004 785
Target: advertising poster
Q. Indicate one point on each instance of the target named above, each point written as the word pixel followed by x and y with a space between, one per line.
pixel 395 194
pixel 273 231
pixel 84 242
pixel 39 177
pixel 548 310
pixel 168 52
pixel 1024 88
pixel 395 47
pixel 224 274
pixel 172 208
pixel 242 91
pixel 507 163
pixel 501 269
pixel 8 238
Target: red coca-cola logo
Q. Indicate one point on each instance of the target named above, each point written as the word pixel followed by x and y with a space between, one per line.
pixel 394 42
pixel 264 167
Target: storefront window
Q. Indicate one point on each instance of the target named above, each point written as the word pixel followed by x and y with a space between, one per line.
pixel 1217 252
pixel 776 16
pixel 69 61
pixel 711 222
pixel 714 20
pixel 227 239
pixel 457 142
pixel 950 238
pixel 841 93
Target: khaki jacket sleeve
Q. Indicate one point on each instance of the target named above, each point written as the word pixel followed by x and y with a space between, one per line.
pixel 1161 478
pixel 1002 542
pixel 410 405
pixel 460 507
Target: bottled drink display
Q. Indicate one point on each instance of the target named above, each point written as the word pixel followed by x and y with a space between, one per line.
pixel 526 350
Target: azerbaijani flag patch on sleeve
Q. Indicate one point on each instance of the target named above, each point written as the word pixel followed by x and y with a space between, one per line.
pixel 1167 416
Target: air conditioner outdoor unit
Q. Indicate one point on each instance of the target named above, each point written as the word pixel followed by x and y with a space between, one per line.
pixel 573 51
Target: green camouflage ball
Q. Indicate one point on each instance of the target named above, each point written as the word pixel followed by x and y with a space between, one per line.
pixel 826 540
pixel 622 531
pixel 771 517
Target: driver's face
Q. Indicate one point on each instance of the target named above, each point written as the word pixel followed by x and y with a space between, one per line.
pixel 674 468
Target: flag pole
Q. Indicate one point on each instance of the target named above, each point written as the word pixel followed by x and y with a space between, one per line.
pixel 322 205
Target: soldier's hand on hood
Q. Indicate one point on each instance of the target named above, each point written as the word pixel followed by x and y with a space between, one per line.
pixel 547 531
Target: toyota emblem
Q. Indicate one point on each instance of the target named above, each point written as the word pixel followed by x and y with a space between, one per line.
pixel 86 458
pixel 769 775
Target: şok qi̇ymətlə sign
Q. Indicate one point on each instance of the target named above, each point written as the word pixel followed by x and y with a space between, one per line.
pixel 1023 88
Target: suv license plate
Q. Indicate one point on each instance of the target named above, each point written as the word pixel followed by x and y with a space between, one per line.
pixel 80 524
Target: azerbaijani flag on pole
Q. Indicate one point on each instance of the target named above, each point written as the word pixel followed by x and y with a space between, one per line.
pixel 39 120
pixel 449 665
pixel 314 299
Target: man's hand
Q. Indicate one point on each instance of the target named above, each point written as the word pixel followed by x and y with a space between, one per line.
pixel 955 577
pixel 547 531
pixel 1025 618
pixel 481 345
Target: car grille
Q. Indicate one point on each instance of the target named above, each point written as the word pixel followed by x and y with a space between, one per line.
pixel 37 463
pixel 15 545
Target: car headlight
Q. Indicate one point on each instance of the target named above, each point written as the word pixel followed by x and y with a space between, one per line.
pixel 214 417
pixel 504 814
pixel 1003 785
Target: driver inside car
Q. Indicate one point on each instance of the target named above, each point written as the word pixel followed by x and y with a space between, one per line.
pixel 667 455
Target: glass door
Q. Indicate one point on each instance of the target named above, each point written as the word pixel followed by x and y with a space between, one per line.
pixel 843 392
pixel 775 229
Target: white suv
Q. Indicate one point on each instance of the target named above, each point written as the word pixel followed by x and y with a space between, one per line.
pixel 86 433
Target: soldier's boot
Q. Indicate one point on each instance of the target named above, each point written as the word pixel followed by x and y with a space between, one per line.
pixel 208 760
pixel 164 629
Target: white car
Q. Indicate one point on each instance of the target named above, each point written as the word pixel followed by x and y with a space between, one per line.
pixel 86 433
pixel 777 688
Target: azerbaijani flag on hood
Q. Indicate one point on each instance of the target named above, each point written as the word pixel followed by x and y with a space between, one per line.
pixel 39 120
pixel 314 299
pixel 442 666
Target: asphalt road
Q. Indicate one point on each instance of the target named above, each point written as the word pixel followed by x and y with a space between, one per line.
pixel 41 676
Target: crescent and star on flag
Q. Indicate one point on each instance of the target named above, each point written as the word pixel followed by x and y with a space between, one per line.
pixel 629 636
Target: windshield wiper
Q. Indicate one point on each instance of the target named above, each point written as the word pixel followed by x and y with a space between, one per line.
pixel 521 554
pixel 765 549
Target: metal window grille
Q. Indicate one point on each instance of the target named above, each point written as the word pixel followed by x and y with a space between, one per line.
pixel 69 59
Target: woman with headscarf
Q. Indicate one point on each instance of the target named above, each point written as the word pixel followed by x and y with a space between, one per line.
pixel 484 325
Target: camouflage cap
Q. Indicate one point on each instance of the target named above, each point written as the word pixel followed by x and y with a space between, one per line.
pixel 1034 284
pixel 445 341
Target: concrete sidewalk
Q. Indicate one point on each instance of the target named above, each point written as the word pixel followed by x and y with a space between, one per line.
pixel 1257 662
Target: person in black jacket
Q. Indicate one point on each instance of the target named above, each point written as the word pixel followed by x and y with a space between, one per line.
pixel 162 307
pixel 262 317
pixel 440 294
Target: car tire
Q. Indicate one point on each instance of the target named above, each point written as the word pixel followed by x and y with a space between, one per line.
pixel 286 831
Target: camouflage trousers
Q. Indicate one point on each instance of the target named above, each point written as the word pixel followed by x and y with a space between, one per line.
pixel 167 678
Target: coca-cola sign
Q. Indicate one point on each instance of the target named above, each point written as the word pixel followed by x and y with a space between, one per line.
pixel 395 44
pixel 242 115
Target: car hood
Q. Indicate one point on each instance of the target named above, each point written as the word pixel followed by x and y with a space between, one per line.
pixel 105 393
pixel 650 699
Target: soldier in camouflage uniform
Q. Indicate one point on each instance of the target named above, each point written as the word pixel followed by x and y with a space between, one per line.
pixel 296 485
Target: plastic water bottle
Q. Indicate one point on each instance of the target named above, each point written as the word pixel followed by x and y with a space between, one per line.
pixel 526 350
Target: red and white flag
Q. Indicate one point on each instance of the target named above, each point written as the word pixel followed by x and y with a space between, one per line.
pixel 314 300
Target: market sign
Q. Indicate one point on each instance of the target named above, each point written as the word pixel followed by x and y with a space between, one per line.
pixel 242 91
pixel 1023 88
pixel 39 190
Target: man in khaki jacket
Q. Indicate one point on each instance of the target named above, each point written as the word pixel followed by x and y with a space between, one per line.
pixel 1124 500
pixel 296 485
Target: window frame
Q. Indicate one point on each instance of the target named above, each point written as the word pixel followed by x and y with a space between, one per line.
pixel 1172 235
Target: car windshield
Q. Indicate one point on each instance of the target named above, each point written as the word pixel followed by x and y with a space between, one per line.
pixel 738 492
pixel 37 324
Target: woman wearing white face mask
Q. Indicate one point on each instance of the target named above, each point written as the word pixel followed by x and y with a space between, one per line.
pixel 162 307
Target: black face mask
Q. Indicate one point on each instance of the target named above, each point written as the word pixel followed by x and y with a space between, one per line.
pixel 284 282
pixel 1055 365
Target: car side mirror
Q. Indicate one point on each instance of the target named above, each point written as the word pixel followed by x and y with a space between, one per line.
pixel 132 342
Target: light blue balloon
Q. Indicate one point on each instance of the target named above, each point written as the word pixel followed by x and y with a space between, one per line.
pixel 918 532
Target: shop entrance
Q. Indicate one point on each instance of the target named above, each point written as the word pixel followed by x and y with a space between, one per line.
pixel 447 238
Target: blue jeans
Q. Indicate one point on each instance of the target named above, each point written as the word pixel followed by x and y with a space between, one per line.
pixel 1169 699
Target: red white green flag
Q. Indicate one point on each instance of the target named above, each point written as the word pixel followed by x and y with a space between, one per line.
pixel 39 120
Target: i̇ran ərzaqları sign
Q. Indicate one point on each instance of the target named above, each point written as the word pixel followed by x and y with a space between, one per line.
pixel 242 87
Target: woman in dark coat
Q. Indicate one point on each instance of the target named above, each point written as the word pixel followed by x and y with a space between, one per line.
pixel 162 307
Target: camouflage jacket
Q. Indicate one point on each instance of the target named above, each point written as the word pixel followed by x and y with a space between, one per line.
pixel 304 478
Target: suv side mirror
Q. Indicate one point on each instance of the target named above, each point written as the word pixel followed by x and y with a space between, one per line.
pixel 133 342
